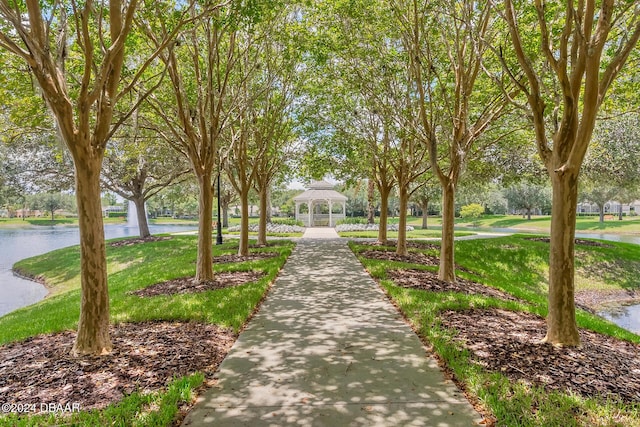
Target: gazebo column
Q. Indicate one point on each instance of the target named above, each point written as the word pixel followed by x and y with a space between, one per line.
pixel 297 210
pixel 330 214
pixel 310 206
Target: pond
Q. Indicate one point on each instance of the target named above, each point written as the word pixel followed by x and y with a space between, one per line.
pixel 625 316
pixel 20 243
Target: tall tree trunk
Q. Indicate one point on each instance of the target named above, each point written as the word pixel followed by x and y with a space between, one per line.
pixel 401 249
pixel 529 214
pixel 425 212
pixel 371 209
pixel 225 213
pixel 620 212
pixel 262 226
pixel 561 320
pixel 446 271
pixel 384 214
pixel 93 326
pixel 601 213
pixel 268 208
pixel 204 264
pixel 143 223
pixel 243 249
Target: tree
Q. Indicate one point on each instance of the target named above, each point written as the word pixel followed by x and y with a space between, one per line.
pixel 598 193
pixel 228 195
pixel 195 106
pixel 447 44
pixel 473 211
pixel 138 165
pixel 246 138
pixel 612 166
pixel 427 192
pixel 526 196
pixel 50 202
pixel 273 133
pixel 78 70
pixel 349 109
pixel 569 63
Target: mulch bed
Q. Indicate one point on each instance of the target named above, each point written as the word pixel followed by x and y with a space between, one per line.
pixel 145 357
pixel 428 281
pixel 135 241
pixel 580 242
pixel 187 285
pixel 412 257
pixel 509 342
pixel 410 244
pixel 239 258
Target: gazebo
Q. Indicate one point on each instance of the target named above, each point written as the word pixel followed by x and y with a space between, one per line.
pixel 319 203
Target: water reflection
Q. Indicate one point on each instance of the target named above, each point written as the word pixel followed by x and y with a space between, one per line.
pixel 20 243
pixel 625 316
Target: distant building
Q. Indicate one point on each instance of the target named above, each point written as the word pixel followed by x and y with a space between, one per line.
pixel 108 209
pixel 611 207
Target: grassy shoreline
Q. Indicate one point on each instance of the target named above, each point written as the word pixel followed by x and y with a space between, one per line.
pixel 131 268
pixel 537 224
pixel 514 264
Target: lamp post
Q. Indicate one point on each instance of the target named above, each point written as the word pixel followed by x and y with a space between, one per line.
pixel 219 222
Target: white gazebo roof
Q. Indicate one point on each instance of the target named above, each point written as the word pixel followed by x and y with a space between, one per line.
pixel 320 190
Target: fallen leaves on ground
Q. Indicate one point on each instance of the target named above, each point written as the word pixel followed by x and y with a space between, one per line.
pixel 188 285
pixel 580 242
pixel 145 357
pixel 428 281
pixel 410 244
pixel 509 342
pixel 137 240
pixel 241 258
pixel 411 257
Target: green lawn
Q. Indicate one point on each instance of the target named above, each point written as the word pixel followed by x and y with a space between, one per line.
pixel 519 267
pixel 130 268
pixel 542 224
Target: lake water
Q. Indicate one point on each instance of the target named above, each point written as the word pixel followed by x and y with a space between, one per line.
pixel 20 243
pixel 625 316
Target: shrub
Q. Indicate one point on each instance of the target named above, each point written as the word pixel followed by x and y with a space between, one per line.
pixel 473 211
pixel 287 221
pixel 352 220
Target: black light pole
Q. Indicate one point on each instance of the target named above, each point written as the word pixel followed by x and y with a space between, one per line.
pixel 219 236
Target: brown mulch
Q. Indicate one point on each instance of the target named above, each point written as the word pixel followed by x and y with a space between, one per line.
pixel 428 281
pixel 412 257
pixel 581 242
pixel 239 258
pixel 509 342
pixel 145 357
pixel 137 240
pixel 187 285
pixel 410 244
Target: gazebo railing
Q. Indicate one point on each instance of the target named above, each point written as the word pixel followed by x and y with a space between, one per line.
pixel 321 220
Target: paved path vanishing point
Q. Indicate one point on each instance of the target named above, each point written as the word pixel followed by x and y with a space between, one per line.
pixel 328 349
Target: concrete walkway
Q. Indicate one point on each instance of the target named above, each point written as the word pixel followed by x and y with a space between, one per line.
pixel 328 349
